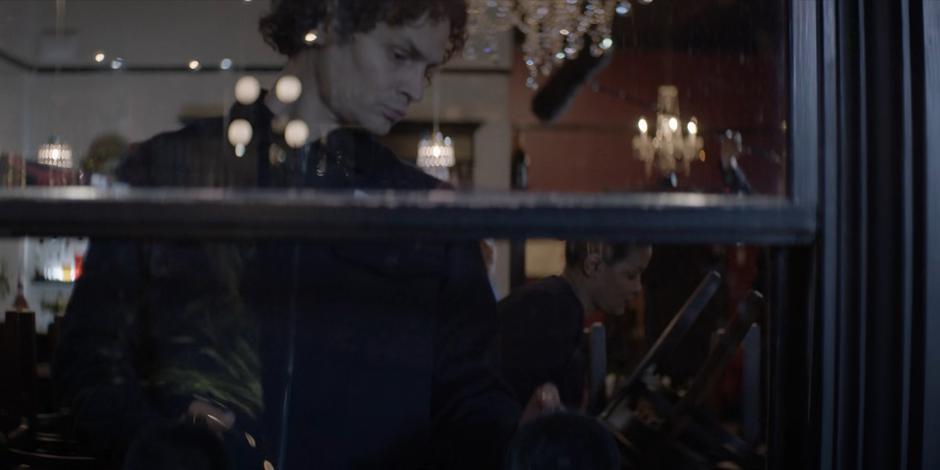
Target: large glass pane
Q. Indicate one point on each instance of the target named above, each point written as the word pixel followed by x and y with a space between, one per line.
pixel 259 343
pixel 415 352
pixel 84 82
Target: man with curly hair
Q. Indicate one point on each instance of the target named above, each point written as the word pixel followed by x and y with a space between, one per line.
pixel 369 60
pixel 299 355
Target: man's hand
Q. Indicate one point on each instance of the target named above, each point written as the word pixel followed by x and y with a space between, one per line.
pixel 216 419
pixel 545 399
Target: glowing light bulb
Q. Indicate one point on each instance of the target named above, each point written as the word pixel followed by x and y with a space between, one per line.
pixel 99 57
pixel 673 124
pixel 247 90
pixel 239 132
pixel 225 64
pixel 311 37
pixel 194 65
pixel 606 43
pixel 296 133
pixel 239 135
pixel 692 127
pixel 288 89
pixel 623 8
pixel 643 125
pixel 117 63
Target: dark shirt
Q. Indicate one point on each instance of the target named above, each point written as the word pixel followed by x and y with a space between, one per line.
pixel 542 340
pixel 333 354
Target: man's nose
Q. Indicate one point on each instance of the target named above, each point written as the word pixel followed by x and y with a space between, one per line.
pixel 413 85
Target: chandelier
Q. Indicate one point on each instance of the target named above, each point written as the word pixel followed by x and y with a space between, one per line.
pixel 436 154
pixel 55 153
pixel 668 149
pixel 554 30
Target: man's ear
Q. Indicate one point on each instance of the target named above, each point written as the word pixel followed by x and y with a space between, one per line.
pixel 591 264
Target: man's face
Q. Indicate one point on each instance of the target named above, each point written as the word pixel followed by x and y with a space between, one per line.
pixel 371 79
pixel 616 285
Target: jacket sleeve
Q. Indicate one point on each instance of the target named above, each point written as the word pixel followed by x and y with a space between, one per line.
pixel 101 352
pixel 474 414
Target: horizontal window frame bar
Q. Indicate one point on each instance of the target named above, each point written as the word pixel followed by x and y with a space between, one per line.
pixel 151 68
pixel 303 214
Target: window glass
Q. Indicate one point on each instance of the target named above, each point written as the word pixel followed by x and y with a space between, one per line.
pixel 85 84
pixel 118 346
pixel 427 351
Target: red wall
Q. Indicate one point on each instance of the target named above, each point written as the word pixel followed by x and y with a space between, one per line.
pixel 589 147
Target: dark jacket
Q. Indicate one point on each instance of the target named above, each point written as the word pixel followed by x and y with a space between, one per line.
pixel 542 340
pixel 333 354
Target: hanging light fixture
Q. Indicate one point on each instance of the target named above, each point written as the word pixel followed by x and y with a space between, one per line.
pixel 55 153
pixel 436 154
pixel 555 30
pixel 486 20
pixel 669 148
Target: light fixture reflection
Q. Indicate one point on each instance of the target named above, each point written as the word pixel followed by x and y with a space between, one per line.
pixel 288 89
pixel 55 153
pixel 623 8
pixel 296 133
pixel 436 155
pixel 247 90
pixel 239 135
pixel 665 148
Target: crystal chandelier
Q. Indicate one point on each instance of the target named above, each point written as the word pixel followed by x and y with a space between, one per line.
pixel 555 30
pixel 487 19
pixel 668 148
pixel 55 153
pixel 436 154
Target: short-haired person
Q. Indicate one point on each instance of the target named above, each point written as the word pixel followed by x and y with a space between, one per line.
pixel 542 323
pixel 325 354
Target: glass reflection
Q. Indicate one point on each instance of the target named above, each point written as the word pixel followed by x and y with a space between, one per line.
pixel 356 353
pixel 665 343
pixel 726 61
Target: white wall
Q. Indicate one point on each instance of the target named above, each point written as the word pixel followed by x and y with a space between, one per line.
pixel 79 108
pixel 12 83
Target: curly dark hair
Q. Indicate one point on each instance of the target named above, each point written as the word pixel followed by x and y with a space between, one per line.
pixel 284 28
pixel 610 252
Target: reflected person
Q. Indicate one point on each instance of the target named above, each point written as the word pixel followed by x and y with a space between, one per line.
pixel 332 354
pixel 542 324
